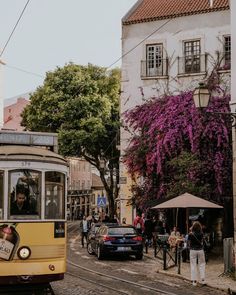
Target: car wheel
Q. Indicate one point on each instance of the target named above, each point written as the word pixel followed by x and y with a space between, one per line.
pixel 90 249
pixel 99 253
pixel 139 256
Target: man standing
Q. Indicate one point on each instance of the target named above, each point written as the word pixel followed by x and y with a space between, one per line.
pixel 84 228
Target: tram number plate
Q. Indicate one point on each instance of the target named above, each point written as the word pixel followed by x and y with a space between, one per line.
pixel 123 248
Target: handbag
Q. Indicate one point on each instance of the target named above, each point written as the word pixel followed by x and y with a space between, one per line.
pixel 206 244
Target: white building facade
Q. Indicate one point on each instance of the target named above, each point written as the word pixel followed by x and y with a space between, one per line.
pixel 167 47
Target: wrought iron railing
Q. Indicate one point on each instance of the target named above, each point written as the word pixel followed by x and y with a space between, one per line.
pixel 192 64
pixel 154 68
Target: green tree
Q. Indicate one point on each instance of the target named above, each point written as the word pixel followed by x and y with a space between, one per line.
pixel 81 104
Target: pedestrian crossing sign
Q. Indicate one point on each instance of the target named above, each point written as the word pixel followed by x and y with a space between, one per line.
pixel 101 201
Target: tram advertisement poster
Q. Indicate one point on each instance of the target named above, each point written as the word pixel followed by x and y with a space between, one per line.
pixel 59 229
pixel 9 240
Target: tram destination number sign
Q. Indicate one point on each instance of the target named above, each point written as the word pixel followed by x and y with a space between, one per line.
pixel 25 164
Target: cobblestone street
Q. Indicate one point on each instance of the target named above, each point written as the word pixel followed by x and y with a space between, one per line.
pixel 143 272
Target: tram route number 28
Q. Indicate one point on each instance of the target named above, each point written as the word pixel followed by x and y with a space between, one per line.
pixel 25 164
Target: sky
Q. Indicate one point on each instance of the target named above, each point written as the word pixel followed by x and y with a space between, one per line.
pixel 52 33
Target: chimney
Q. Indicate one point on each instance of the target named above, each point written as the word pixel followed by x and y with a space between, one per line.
pixel 211 3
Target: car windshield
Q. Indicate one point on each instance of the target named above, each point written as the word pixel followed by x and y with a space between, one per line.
pixel 121 231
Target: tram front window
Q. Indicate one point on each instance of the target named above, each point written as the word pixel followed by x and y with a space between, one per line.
pixel 55 195
pixel 1 195
pixel 24 198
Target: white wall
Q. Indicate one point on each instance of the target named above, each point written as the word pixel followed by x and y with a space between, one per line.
pixel 1 95
pixel 233 55
pixel 210 28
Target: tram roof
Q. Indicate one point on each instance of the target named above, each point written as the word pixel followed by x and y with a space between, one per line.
pixel 28 153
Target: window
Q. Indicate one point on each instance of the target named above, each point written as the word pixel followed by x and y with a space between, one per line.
pixel 54 195
pixel 154 57
pixel 1 194
pixel 83 184
pixel 24 194
pixel 227 51
pixel 192 56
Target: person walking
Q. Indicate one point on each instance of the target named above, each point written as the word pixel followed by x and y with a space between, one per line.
pixel 195 240
pixel 84 228
pixel 139 224
pixel 148 230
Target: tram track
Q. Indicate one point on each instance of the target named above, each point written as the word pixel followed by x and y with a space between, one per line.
pixel 96 283
pixel 118 279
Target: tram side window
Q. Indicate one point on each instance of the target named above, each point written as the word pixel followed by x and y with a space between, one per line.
pixel 1 194
pixel 55 195
pixel 25 191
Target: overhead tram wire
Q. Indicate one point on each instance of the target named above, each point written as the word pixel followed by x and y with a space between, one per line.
pixel 129 51
pixel 8 40
pixel 126 53
pixel 148 36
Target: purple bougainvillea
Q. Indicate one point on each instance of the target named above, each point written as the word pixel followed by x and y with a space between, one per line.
pixel 172 128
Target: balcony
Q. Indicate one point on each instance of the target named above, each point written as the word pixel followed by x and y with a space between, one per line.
pixel 193 64
pixel 154 69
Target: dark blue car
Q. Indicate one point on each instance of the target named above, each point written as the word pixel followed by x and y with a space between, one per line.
pixel 117 239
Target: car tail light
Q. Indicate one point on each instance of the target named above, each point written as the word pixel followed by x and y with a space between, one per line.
pixel 107 238
pixel 138 238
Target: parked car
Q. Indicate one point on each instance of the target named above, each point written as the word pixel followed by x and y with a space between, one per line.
pixel 91 236
pixel 117 239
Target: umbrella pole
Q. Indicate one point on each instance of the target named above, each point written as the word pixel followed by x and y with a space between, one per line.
pixel 176 217
pixel 187 217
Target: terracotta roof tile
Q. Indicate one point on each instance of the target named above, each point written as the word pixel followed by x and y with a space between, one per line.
pixel 150 10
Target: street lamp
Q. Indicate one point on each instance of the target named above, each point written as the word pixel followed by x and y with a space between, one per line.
pixel 201 96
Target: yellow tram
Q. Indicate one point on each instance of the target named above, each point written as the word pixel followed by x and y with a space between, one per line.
pixel 32 211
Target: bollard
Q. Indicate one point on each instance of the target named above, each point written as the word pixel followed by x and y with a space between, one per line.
pixel 176 254
pixel 164 257
pixel 179 259
pixel 146 245
pixel 155 247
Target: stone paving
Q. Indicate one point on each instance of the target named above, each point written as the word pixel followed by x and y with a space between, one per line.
pixel 215 276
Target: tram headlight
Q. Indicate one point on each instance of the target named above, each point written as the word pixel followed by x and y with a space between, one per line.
pixel 24 252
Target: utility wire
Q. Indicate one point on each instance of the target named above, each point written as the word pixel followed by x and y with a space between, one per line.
pixel 24 71
pixel 126 53
pixel 14 27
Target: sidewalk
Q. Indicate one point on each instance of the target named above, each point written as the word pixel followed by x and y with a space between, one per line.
pixel 215 276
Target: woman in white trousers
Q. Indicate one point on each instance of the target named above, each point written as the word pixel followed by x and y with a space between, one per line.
pixel 195 240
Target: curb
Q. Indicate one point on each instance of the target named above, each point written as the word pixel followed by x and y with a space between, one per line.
pixel 179 276
pixel 227 290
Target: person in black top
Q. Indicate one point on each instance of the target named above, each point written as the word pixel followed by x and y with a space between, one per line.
pixel 20 206
pixel 148 229
pixel 195 241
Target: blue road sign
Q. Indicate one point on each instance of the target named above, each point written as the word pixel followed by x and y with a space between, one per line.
pixel 101 201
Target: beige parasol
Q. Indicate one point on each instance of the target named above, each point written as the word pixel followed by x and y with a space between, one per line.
pixel 186 201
